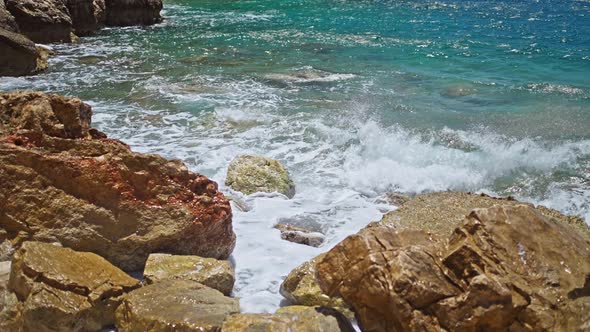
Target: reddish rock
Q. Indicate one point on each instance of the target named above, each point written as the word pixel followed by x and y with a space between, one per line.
pixel 66 182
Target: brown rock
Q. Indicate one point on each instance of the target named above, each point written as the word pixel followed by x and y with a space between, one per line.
pixel 70 184
pixel 210 272
pixel 175 305
pixel 133 12
pixel 7 21
pixel 19 56
pixel 43 21
pixel 506 268
pixel 64 290
pixel 87 15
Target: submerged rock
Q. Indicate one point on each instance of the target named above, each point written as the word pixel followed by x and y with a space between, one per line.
pixel 504 268
pixel 301 288
pixel 210 272
pixel 70 184
pixel 87 15
pixel 64 290
pixel 250 174
pixel 133 12
pixel 43 21
pixel 175 305
pixel 300 235
pixel 295 318
pixel 19 55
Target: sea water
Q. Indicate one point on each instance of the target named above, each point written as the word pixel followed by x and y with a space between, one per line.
pixel 357 98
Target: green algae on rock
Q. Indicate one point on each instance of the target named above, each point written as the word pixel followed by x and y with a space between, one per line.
pixel 217 274
pixel 175 305
pixel 250 174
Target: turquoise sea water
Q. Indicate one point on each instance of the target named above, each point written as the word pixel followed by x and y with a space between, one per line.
pixel 357 98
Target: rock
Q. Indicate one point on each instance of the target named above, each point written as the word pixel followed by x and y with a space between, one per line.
pixel 69 183
pixel 7 21
pixel 133 12
pixel 19 55
pixel 10 312
pixel 301 288
pixel 210 272
pixel 505 268
pixel 64 290
pixel 300 235
pixel 296 318
pixel 4 274
pixel 250 174
pixel 175 305
pixel 87 15
pixel 43 21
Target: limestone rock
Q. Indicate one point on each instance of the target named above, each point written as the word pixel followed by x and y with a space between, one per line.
pixel 133 12
pixel 250 174
pixel 300 235
pixel 43 21
pixel 7 21
pixel 70 184
pixel 295 318
pixel 87 15
pixel 64 290
pixel 210 272
pixel 175 305
pixel 505 268
pixel 301 287
pixel 19 56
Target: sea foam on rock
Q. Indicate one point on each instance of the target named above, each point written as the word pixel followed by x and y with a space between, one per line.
pixel 63 181
pixel 250 174
pixel 506 266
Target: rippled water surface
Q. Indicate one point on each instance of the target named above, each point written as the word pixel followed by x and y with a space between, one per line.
pixel 357 98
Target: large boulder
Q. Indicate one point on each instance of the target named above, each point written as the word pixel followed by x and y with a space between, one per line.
pixel 87 15
pixel 7 21
pixel 175 305
pixel 43 21
pixel 217 274
pixel 133 12
pixel 250 174
pixel 505 268
pixel 64 290
pixel 63 181
pixel 294 318
pixel 19 55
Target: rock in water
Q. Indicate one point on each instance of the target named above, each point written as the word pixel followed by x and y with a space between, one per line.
pixel 64 290
pixel 43 21
pixel 70 184
pixel 87 15
pixel 210 272
pixel 133 12
pixel 505 268
pixel 19 56
pixel 250 174
pixel 7 21
pixel 300 235
pixel 175 305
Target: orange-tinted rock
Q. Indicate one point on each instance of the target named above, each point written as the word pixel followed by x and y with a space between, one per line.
pixel 70 184
pixel 506 268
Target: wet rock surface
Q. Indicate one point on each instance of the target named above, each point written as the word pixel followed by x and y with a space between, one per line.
pixel 175 305
pixel 133 12
pixel 300 235
pixel 69 183
pixel 43 21
pixel 506 267
pixel 63 290
pixel 210 272
pixel 250 174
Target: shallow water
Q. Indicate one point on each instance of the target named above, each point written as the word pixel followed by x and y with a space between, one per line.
pixel 357 98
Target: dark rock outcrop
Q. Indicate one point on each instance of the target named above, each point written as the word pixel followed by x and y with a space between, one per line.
pixel 19 56
pixel 133 12
pixel 63 181
pixel 43 21
pixel 87 15
pixel 508 267
pixel 7 21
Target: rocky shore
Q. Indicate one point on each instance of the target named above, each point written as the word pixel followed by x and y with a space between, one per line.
pixel 26 22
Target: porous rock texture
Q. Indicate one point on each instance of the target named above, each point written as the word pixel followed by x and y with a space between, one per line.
pixel 63 290
pixel 175 305
pixel 133 12
pixel 217 274
pixel 18 55
pixel 63 181
pixel 250 174
pixel 43 21
pixel 508 267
